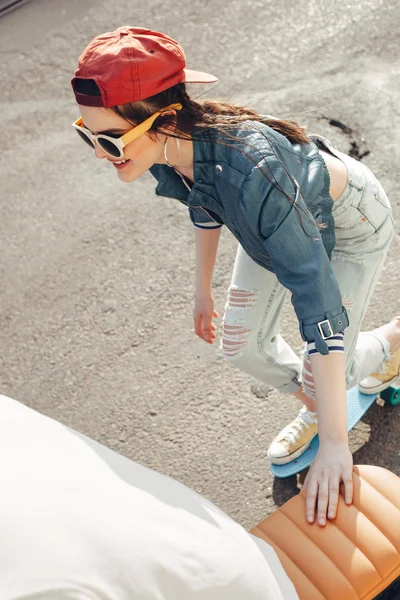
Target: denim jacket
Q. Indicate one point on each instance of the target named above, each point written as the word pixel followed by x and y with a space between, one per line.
pixel 270 193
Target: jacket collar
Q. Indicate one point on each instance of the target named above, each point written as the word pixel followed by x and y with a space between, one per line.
pixel 171 185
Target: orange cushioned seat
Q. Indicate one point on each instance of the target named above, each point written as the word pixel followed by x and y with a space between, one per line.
pixel 355 557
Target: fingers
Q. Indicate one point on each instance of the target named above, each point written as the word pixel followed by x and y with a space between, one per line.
pixel 322 499
pixel 348 486
pixel 333 464
pixel 198 325
pixel 333 498
pixel 311 499
pixel 204 327
pixel 209 335
pixel 323 496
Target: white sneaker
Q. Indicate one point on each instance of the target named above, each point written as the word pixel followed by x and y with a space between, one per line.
pixel 294 439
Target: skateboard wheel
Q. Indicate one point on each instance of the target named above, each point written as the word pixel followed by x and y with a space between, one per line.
pixel 391 396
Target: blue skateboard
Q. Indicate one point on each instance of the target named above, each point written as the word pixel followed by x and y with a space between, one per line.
pixel 357 405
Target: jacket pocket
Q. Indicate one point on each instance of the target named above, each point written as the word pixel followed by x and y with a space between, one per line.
pixel 228 185
pixel 363 214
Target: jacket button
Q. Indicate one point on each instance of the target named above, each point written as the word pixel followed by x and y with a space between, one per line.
pixel 218 168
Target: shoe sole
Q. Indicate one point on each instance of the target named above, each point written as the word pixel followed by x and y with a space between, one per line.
pixel 287 459
pixel 377 389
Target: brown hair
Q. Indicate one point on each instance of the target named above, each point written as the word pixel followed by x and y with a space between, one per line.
pixel 204 114
pixel 196 116
pixel 212 115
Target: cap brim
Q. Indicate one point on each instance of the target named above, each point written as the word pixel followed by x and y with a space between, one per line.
pixel 198 77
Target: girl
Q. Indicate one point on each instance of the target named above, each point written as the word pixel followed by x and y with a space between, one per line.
pixel 308 219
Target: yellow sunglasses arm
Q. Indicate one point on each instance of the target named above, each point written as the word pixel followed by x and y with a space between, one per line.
pixel 147 123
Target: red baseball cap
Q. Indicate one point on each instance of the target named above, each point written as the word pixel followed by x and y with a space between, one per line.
pixel 131 64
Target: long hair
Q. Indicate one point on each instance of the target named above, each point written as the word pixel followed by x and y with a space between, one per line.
pixel 199 116
pixel 206 114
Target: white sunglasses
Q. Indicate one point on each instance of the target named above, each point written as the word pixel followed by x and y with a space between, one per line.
pixel 114 146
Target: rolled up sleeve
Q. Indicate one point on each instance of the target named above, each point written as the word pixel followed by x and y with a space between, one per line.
pixel 302 266
pixel 292 239
pixel 204 219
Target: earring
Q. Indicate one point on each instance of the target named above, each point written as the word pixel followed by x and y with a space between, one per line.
pixel 178 145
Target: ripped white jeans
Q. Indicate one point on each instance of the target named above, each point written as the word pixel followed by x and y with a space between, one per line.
pixel 251 336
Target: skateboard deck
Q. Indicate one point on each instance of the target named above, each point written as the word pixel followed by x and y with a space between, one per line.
pixel 357 405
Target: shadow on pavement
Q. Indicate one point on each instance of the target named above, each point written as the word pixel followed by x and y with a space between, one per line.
pixel 7 6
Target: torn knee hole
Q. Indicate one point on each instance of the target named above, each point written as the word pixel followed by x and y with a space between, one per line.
pixel 234 339
pixel 308 378
pixel 238 298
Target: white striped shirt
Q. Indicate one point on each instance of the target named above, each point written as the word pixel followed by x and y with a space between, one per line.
pixel 335 344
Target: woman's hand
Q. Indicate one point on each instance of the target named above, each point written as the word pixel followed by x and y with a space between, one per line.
pixel 333 464
pixel 202 316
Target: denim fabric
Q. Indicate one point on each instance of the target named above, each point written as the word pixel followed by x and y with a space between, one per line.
pixel 271 194
pixel 251 331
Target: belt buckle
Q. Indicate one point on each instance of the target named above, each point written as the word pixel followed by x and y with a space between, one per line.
pixel 319 325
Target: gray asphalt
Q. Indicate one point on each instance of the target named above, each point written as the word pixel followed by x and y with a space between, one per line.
pixel 97 277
